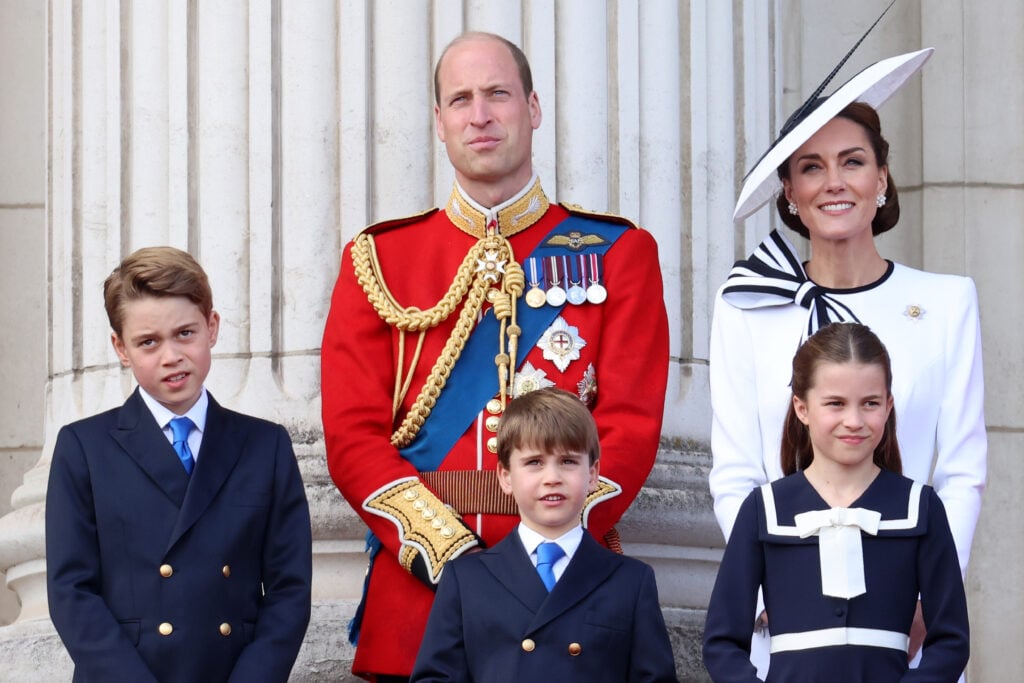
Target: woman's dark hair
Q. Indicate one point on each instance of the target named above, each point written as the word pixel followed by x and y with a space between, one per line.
pixel 887 216
pixel 836 343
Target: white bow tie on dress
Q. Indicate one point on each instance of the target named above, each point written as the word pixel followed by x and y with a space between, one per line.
pixel 839 546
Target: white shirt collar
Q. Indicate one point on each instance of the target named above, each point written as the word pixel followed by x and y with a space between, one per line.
pixel 163 416
pixel 569 541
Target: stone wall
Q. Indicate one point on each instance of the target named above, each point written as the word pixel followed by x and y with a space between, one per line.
pixel 261 135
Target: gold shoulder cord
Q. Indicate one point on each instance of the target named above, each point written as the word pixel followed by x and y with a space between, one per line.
pixel 489 272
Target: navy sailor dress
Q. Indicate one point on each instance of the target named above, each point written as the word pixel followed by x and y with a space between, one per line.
pixel 908 552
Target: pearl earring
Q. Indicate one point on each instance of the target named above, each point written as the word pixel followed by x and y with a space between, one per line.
pixel 792 209
pixel 880 201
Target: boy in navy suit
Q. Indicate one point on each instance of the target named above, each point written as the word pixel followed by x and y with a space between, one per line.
pixel 547 602
pixel 178 542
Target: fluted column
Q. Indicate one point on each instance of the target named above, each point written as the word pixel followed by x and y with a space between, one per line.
pixel 260 135
pixel 210 127
pixel 78 128
pixel 22 240
pixel 972 201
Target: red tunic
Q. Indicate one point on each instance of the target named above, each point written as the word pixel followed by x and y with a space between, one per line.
pixel 626 342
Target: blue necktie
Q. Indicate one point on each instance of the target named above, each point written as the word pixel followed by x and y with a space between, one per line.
pixel 180 427
pixel 547 555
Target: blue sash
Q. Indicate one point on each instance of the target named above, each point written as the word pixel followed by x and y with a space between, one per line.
pixel 474 379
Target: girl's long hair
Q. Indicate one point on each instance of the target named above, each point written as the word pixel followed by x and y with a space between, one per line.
pixel 836 343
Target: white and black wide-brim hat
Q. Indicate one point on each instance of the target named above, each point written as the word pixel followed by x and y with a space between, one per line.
pixel 874 85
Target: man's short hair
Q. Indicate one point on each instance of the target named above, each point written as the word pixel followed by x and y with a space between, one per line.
pixel 522 64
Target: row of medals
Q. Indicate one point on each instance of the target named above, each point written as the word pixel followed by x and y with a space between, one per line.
pixel 556 295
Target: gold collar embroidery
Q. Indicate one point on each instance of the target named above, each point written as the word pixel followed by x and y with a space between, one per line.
pixel 513 216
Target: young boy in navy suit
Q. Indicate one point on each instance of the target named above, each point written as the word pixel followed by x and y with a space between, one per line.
pixel 177 550
pixel 548 602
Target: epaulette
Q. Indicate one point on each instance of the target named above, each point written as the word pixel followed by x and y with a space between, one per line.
pixel 578 210
pixel 384 226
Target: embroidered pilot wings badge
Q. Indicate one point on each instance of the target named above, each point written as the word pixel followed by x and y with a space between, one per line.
pixel 575 240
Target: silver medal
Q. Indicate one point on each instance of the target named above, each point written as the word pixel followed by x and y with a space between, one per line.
pixel 577 295
pixel 556 296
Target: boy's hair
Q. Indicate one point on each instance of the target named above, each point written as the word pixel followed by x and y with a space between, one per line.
pixel 836 343
pixel 550 419
pixel 158 272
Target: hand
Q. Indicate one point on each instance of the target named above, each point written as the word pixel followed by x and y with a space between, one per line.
pixel 761 623
pixel 917 633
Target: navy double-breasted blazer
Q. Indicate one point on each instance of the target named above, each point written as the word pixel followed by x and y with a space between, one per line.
pixel 493 620
pixel 153 575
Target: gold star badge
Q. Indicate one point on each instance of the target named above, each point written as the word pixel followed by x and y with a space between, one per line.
pixel 913 312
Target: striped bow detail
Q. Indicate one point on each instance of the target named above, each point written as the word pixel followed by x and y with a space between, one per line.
pixel 774 276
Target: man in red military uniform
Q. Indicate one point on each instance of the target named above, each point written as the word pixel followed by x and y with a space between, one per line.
pixel 438 320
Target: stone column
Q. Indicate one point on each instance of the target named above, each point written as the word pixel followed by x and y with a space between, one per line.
pixel 209 127
pixel 30 640
pixel 971 214
pixel 260 135
pixel 22 243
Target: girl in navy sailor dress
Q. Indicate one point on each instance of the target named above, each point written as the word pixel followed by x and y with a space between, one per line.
pixel 844 545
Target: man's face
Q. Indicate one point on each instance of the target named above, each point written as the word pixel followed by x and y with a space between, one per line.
pixel 485 119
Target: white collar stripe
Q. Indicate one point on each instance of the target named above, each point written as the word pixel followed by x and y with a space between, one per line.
pixel 770 516
pixel 913 508
pixel 908 522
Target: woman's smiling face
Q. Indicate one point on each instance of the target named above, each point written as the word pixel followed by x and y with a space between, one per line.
pixel 834 180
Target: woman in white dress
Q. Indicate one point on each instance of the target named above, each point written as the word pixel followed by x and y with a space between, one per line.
pixel 836 190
